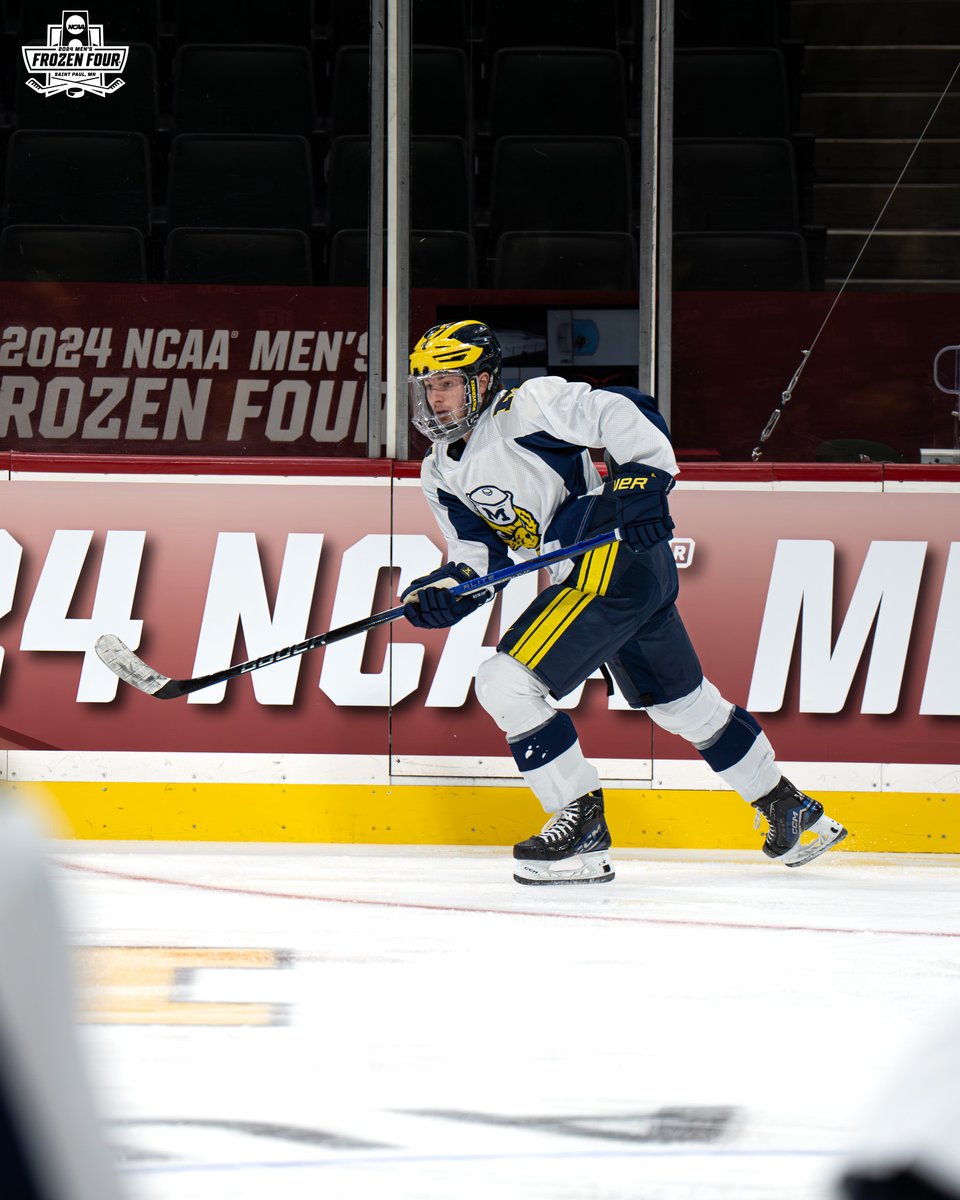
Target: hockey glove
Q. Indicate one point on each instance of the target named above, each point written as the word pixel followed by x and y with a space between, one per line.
pixel 643 517
pixel 428 603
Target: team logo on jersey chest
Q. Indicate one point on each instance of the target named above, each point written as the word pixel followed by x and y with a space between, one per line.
pixel 517 527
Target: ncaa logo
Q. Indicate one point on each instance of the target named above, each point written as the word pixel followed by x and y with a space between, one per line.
pixel 75 60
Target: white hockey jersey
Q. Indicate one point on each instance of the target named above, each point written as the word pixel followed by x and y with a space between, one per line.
pixel 503 499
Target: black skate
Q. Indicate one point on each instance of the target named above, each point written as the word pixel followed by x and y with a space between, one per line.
pixel 571 848
pixel 791 815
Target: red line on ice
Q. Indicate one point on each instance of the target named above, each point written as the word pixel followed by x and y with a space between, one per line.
pixel 263 893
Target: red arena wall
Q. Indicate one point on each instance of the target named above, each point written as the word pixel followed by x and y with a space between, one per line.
pixel 824 599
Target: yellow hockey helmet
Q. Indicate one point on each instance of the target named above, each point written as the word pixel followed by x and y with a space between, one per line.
pixel 461 350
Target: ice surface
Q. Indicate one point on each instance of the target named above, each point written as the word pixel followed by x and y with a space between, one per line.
pixel 416 1025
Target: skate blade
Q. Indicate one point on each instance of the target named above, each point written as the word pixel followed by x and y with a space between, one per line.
pixel 828 834
pixel 581 868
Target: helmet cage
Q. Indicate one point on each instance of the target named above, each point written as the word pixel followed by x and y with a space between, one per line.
pixel 467 348
pixel 451 425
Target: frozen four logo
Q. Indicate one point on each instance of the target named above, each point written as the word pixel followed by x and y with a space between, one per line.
pixel 75 60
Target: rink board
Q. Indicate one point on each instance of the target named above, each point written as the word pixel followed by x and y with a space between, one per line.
pixel 455 815
pixel 826 601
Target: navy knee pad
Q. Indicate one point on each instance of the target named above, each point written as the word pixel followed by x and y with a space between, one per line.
pixel 536 749
pixel 733 742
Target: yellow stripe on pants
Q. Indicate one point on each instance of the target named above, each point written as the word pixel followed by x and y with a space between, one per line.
pixel 552 623
pixel 597 568
pixel 520 647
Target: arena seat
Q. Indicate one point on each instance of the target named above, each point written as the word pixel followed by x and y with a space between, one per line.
pixel 250 22
pixel 588 261
pixel 747 23
pixel 438 258
pixel 243 89
pixel 440 191
pixel 748 262
pixel 266 257
pixel 532 92
pixel 432 22
pixel 554 184
pixel 563 23
pixel 728 184
pixel 234 181
pixel 73 254
pixel 730 93
pixel 436 71
pixel 78 178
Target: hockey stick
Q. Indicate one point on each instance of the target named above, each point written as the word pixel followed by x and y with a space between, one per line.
pixel 133 670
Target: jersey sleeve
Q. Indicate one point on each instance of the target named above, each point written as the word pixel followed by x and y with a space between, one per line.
pixel 586 416
pixel 469 538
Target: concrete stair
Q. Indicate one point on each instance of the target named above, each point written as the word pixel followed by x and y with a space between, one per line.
pixel 878 114
pixel 880 160
pixel 875 22
pixel 933 206
pixel 895 254
pixel 906 68
pixel 873 72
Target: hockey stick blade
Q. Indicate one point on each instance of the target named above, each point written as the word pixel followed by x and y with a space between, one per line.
pixel 133 670
pixel 127 666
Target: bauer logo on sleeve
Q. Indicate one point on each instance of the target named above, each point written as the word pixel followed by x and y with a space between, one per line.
pixel 75 60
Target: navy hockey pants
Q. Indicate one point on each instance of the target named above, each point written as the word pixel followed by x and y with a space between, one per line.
pixel 616 608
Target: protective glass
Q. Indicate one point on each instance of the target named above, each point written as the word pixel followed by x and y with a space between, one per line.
pixel 442 405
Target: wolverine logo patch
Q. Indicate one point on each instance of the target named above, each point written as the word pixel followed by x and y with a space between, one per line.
pixel 517 527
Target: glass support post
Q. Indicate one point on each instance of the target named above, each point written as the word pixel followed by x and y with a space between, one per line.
pixel 656 201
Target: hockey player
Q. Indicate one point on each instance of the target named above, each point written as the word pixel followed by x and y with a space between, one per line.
pixel 509 471
pixel 52 1144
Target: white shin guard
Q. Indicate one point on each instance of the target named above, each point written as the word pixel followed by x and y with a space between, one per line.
pixel 704 718
pixel 565 778
pixel 699 716
pixel 516 699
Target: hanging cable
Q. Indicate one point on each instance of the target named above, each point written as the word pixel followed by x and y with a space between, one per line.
pixel 787 395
